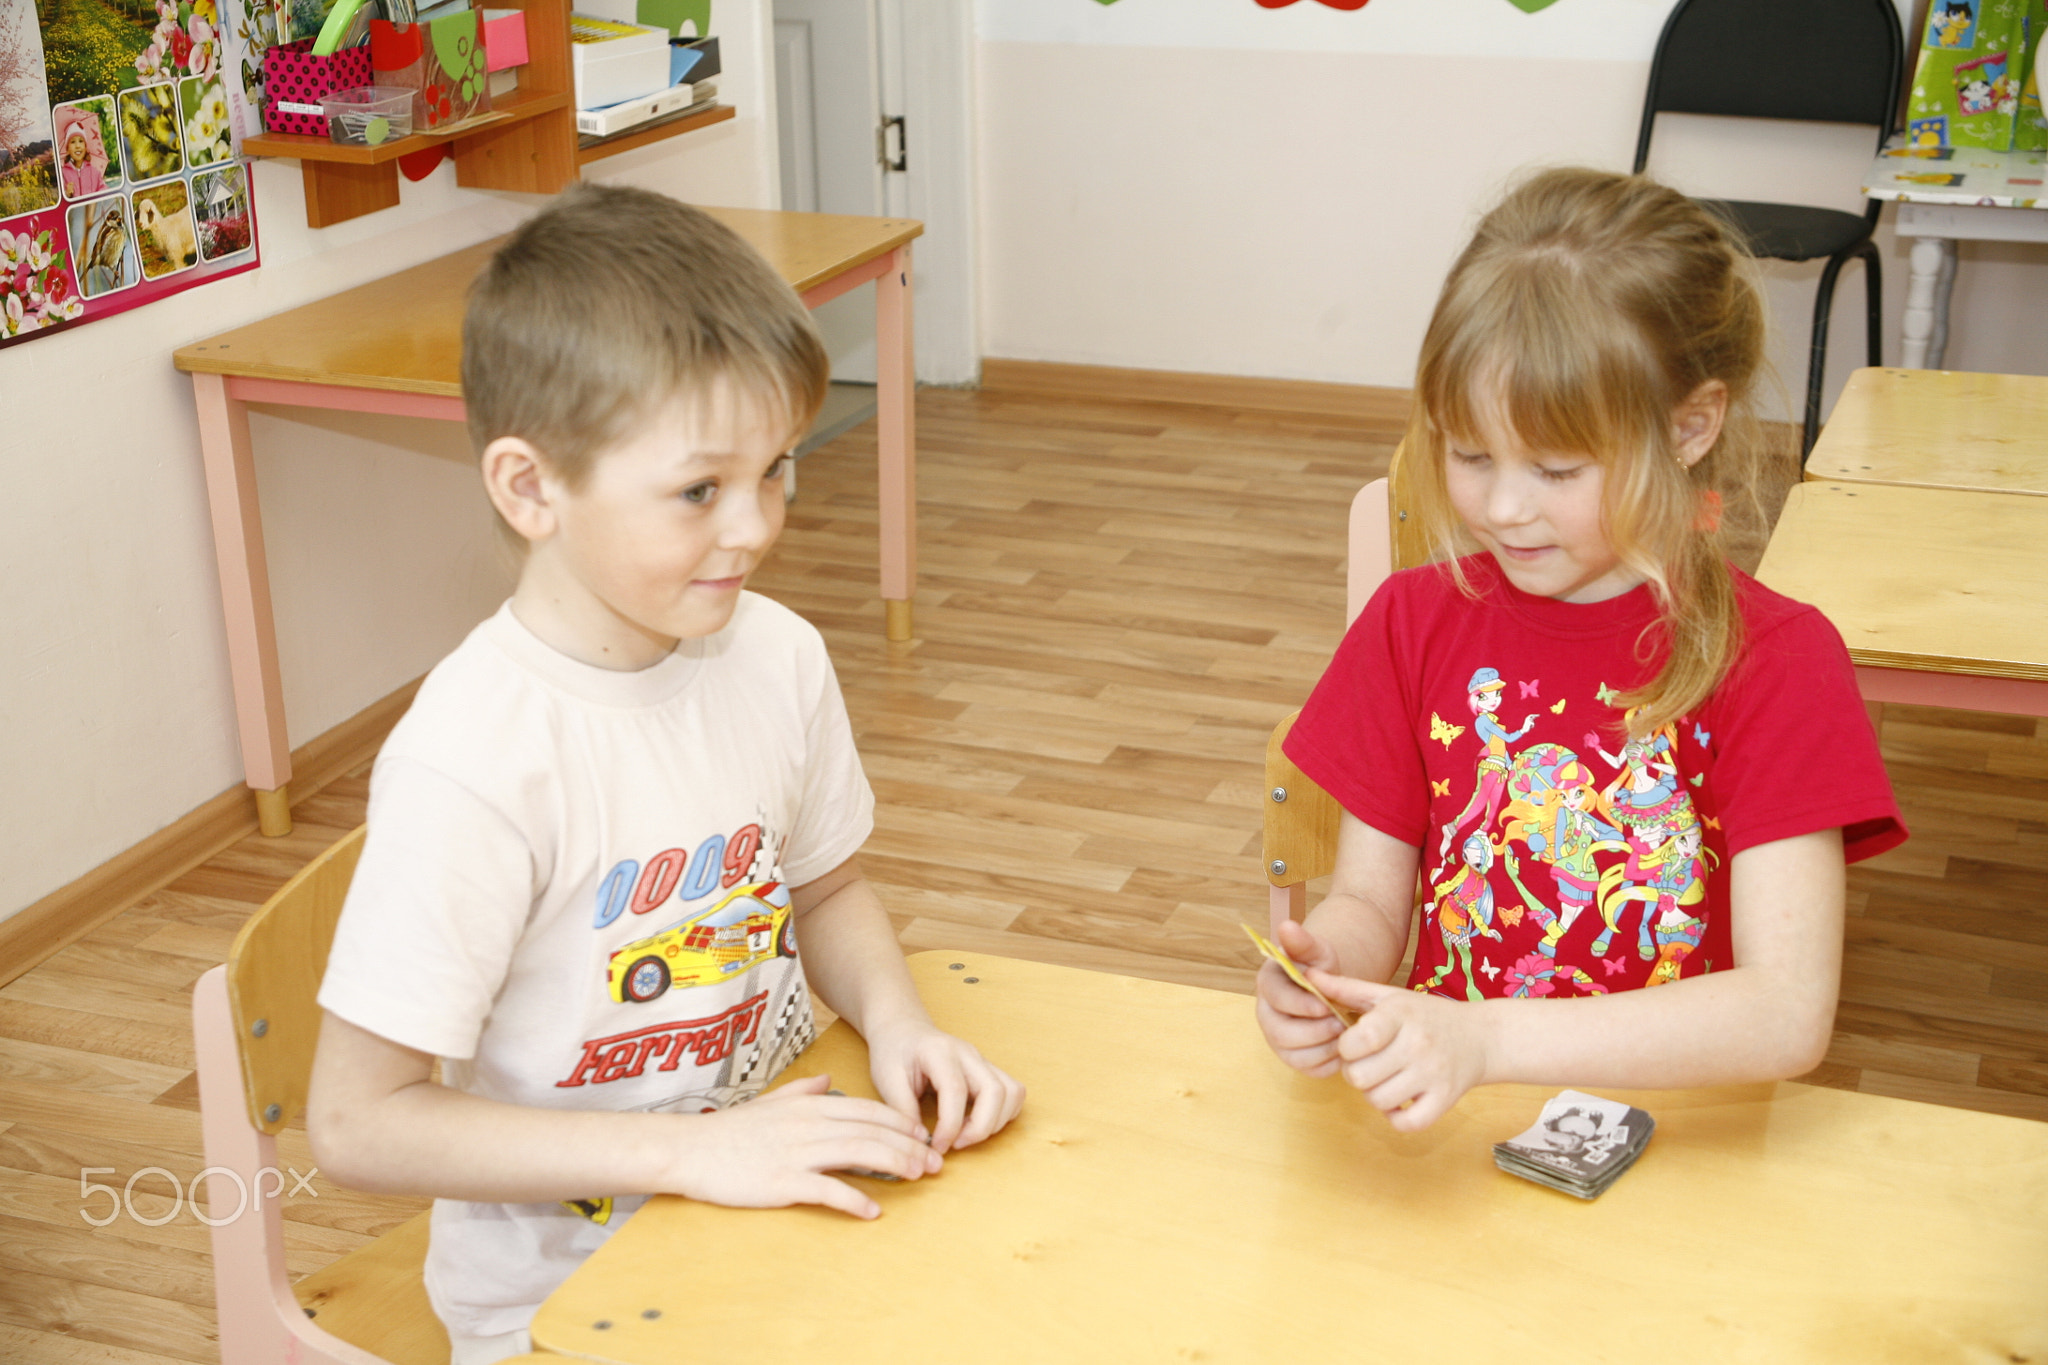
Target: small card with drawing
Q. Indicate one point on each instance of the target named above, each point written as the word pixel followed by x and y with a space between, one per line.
pixel 1580 1144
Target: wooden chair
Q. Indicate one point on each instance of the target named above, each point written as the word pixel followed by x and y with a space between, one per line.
pixel 255 1020
pixel 1299 842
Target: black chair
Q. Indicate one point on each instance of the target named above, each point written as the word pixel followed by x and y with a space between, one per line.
pixel 1825 61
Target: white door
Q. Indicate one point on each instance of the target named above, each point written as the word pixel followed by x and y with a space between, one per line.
pixel 843 67
pixel 828 105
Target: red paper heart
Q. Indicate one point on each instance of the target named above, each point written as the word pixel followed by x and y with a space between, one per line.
pixel 1333 4
pixel 419 165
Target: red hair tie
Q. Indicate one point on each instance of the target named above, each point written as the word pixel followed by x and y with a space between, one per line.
pixel 1710 511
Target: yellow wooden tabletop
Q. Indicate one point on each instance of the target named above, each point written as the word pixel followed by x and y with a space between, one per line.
pixel 403 333
pixel 1938 429
pixel 1920 578
pixel 1172 1193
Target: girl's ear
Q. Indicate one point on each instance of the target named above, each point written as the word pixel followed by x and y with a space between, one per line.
pixel 517 480
pixel 1696 421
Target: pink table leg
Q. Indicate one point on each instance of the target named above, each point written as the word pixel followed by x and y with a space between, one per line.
pixel 896 440
pixel 895 423
pixel 245 575
pixel 245 598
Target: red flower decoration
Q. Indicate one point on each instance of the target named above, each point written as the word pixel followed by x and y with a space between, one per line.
pixel 181 46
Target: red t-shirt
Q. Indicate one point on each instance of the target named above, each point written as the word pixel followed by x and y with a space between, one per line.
pixel 1557 859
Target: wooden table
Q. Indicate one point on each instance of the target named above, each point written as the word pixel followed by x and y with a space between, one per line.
pixel 1172 1193
pixel 394 346
pixel 1946 193
pixel 1937 429
pixel 1941 594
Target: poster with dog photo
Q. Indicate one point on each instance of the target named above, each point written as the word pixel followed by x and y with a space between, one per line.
pixel 121 181
pixel 165 234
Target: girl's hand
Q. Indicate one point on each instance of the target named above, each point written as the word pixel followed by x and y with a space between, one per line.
pixel 1301 1032
pixel 975 1098
pixel 774 1151
pixel 1413 1055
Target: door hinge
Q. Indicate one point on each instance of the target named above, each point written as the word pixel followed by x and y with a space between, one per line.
pixel 901 161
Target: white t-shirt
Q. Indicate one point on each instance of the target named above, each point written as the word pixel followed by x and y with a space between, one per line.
pixel 575 892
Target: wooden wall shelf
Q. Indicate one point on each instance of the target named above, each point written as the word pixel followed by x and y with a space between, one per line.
pixel 528 145
pixel 515 107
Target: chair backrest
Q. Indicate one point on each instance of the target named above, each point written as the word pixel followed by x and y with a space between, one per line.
pixel 255 1023
pixel 1299 839
pixel 274 972
pixel 1825 61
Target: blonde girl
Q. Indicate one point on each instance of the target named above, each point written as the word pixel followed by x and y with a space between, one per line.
pixel 1585 398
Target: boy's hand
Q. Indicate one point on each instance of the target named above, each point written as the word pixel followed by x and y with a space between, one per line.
pixel 910 1059
pixel 774 1151
pixel 1299 1029
pixel 1412 1054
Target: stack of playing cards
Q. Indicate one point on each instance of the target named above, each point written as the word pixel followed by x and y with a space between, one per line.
pixel 1581 1144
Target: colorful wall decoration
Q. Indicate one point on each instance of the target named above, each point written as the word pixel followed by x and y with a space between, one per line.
pixel 120 178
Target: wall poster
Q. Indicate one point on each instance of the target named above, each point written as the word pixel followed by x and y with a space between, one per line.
pixel 121 181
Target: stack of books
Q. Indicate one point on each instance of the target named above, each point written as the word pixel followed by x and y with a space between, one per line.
pixel 678 100
pixel 693 71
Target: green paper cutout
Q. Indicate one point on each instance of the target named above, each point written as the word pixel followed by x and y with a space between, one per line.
pixel 376 130
pixel 672 14
pixel 1531 6
pixel 456 47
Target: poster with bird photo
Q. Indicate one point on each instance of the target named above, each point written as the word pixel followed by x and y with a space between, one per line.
pixel 121 181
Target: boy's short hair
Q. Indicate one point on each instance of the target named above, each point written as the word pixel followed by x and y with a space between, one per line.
pixel 613 300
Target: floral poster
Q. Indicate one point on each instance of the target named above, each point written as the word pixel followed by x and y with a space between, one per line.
pixel 121 180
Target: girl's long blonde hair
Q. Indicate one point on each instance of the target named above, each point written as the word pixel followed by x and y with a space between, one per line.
pixel 1595 304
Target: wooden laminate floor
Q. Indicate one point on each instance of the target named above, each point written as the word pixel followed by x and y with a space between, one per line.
pixel 1117 600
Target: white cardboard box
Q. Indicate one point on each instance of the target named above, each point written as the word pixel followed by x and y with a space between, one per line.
pixel 615 61
pixel 617 118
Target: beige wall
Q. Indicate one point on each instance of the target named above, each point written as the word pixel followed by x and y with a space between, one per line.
pixel 1282 210
pixel 1291 213
pixel 118 716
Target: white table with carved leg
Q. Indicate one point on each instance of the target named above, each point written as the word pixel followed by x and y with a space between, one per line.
pixel 1946 194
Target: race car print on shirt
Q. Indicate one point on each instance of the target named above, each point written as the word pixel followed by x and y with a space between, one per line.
pixel 752 924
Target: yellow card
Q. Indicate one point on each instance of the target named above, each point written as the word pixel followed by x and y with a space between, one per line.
pixel 1298 976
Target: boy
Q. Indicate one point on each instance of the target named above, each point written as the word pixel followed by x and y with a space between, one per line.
pixel 615 834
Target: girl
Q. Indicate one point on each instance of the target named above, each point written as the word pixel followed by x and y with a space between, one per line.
pixel 77 137
pixel 1585 383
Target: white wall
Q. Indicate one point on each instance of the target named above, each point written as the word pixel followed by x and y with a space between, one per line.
pixel 116 714
pixel 1207 185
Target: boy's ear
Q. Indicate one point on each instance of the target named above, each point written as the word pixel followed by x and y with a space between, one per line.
pixel 517 481
pixel 1696 421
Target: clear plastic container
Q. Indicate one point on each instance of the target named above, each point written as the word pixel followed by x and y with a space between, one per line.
pixel 368 115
